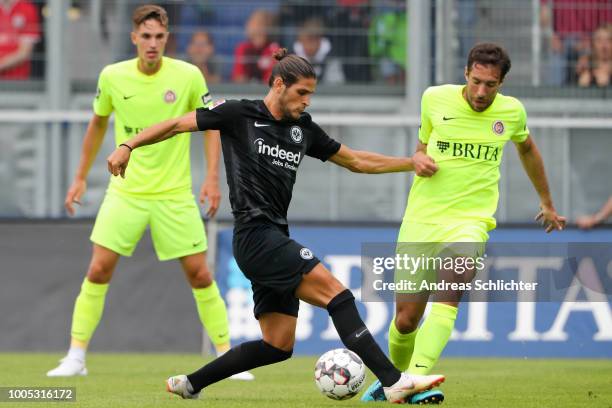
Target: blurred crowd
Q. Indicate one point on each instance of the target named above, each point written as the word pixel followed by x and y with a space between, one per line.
pixel 233 41
pixel 579 41
pixel 19 33
pixel 348 41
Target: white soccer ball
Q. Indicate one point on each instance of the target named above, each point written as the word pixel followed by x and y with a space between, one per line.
pixel 340 374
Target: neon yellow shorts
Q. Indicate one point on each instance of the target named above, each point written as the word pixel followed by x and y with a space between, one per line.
pixel 465 232
pixel 176 226
pixel 426 249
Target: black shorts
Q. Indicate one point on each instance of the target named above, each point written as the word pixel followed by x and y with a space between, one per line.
pixel 274 263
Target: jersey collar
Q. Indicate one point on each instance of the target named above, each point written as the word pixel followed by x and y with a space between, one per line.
pixel 141 74
pixel 467 105
pixel 266 112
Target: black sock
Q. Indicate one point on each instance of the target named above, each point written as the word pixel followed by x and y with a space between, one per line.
pixel 357 338
pixel 241 358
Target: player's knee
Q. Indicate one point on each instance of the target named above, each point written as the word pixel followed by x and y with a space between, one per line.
pixel 99 272
pixel 284 343
pixel 320 287
pixel 336 287
pixel 202 278
pixel 406 323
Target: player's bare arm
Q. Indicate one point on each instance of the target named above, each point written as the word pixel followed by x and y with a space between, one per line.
pixel 534 167
pixel 91 146
pixel 118 160
pixel 424 165
pixel 359 161
pixel 210 188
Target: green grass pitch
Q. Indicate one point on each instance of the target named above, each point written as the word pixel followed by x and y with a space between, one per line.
pixel 137 380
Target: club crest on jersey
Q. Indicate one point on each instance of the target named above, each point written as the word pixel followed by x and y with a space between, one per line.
pixel 296 134
pixel 306 253
pixel 498 127
pixel 169 96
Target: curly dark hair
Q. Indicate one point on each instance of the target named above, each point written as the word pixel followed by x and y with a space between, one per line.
pixel 489 54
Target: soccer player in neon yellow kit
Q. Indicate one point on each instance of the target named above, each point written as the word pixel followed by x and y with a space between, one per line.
pixel 156 192
pixel 454 196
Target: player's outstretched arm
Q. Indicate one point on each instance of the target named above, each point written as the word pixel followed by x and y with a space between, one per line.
pixel 359 161
pixel 118 160
pixel 164 130
pixel 94 136
pixel 534 167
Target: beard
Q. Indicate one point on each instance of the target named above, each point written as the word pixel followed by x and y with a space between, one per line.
pixel 289 116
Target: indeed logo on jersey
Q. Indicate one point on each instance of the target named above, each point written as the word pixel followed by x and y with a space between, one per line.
pixel 278 153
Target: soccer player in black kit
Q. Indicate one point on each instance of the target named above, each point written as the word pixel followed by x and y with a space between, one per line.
pixel 264 142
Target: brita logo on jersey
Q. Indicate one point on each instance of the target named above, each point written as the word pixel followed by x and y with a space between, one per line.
pixel 469 150
pixel 278 153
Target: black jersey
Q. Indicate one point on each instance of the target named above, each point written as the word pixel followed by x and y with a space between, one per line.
pixel 262 155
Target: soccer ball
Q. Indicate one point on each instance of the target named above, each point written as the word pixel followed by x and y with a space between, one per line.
pixel 340 374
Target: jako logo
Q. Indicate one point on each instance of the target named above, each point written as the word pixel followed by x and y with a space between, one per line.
pixel 277 151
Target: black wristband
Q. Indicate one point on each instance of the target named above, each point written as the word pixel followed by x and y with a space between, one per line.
pixel 126 145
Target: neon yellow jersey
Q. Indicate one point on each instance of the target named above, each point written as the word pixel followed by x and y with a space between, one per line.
pixel 161 170
pixel 467 146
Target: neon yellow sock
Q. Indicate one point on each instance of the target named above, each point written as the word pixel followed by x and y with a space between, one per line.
pixel 401 346
pixel 213 313
pixel 88 309
pixel 432 338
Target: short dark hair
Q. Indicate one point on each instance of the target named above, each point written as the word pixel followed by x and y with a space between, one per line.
pixel 489 54
pixel 290 68
pixel 148 12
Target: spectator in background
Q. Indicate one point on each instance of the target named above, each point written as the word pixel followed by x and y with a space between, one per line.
pixel 596 69
pixel 253 59
pixel 317 49
pixel 19 32
pixel 193 16
pixel 570 24
pixel 388 43
pixel 225 21
pixel 201 52
pixel 590 221
pixel 293 14
pixel 351 19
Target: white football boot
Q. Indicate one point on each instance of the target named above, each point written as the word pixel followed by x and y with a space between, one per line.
pixel 69 367
pixel 178 385
pixel 410 384
pixel 243 376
